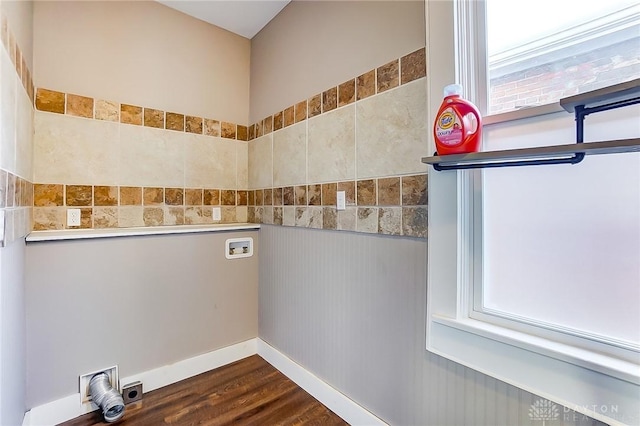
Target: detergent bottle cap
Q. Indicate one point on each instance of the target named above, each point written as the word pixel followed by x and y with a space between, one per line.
pixel 453 89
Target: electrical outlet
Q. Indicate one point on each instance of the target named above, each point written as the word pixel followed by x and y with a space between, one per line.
pixel 86 378
pixel 217 213
pixel 73 217
pixel 341 200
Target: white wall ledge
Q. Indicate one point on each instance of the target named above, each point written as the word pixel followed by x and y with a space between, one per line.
pixel 79 234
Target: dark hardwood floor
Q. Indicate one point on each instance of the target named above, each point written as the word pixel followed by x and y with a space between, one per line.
pixel 247 392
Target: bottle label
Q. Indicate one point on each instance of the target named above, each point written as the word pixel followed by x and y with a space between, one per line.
pixel 449 128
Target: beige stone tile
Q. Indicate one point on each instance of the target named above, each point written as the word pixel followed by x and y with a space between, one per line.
pixel 242 165
pixel 366 85
pixel 277 197
pixel 130 196
pixel 387 76
pixel 79 195
pixel 44 195
pixel 242 198
pixel 347 219
pixel 389 220
pixel 107 110
pixel 49 199
pixel 228 197
pixel 105 217
pixel 278 120
pixel 329 194
pixel 153 216
pixel 331 146
pixel 210 162
pixel 289 156
pixel 261 162
pixel 242 133
pixel 267 124
pixel 153 196
pixel 413 66
pixel 8 116
pixel 330 99
pixel 389 191
pixel 347 93
pixel 289 216
pixel 367 220
pixel 268 197
pixel 175 121
pixel 228 130
pixel 289 116
pixel 302 217
pixel 414 221
pixel 174 196
pixel 315 217
pixel 414 190
pixel 301 195
pixel 314 106
pixel 86 219
pixel 193 215
pixel 349 188
pixel 300 111
pixel 392 132
pixel 252 198
pixel 277 216
pixel 48 218
pixel 314 195
pixel 24 135
pixel 366 192
pixel 260 128
pixel 193 197
pixel 152 157
pixel 131 114
pixel 130 217
pixel 207 214
pixel 229 214
pixel 211 127
pixel 242 214
pixel 71 150
pixel 105 195
pixel 173 215
pixel 259 197
pixel 80 106
pixel 252 132
pixel 329 218
pixel 288 196
pixel 257 213
pixel 211 197
pixel 50 101
pixel 193 124
pixel 267 215
pixel 11 190
pixel 154 118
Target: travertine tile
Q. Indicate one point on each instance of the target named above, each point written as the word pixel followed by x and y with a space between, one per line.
pixel 347 93
pixel 251 198
pixel 330 99
pixel 251 216
pixel 414 190
pixel 242 214
pixel 347 219
pixel 414 221
pixel 228 197
pixel 154 118
pixel 130 196
pixel 329 218
pixel 174 196
pixel 278 120
pixel 289 156
pixel 4 32
pixel 211 127
pixel 210 162
pixel 366 192
pixel 48 218
pixel 105 217
pixel 80 106
pixel 174 215
pixel 130 217
pixel 289 116
pixel 175 121
pixel 367 220
pixel 11 190
pixel 277 215
pixel 366 85
pixel 242 165
pixel 315 217
pixel 314 106
pixel 86 218
pixel 314 195
pixel 268 197
pixel 301 111
pixel 153 196
pixel 349 188
pixel 105 195
pixel 17 195
pixel 242 198
pixel 131 114
pixel 211 197
pixel 267 124
pixel 392 132
pixel 289 216
pixel 193 124
pixel 389 191
pixel 207 214
pixel 331 146
pixel 277 196
pixel 288 196
pixel 79 195
pixel 3 190
pixel 107 110
pixel 242 133
pixel 153 216
pixel 50 101
pixel 413 66
pixel 229 214
pixel 193 215
pixel 260 128
pixel 44 195
pixel 329 194
pixel 228 130
pixel 258 213
pixel 387 76
pixel 252 132
pixel 259 197
pixel 193 197
pixel 267 215
pixel 302 217
pixel 389 220
pixel 261 162
pixel 300 195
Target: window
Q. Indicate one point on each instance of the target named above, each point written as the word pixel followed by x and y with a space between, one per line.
pixel 492 247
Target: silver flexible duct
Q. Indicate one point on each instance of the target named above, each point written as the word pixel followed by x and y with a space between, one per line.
pixel 106 397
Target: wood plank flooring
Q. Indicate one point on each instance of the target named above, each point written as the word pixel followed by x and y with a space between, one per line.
pixel 247 392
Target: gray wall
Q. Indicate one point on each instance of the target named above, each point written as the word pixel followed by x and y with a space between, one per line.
pixel 138 302
pixel 12 334
pixel 351 309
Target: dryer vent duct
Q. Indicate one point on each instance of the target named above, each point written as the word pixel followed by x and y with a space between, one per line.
pixel 106 397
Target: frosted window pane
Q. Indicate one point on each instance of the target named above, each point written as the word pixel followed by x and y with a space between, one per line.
pixel 562 244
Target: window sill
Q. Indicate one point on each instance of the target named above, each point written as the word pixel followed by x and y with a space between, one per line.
pixel 80 234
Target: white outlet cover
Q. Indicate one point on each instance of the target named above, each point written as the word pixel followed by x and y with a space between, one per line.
pixel 341 200
pixel 73 217
pixel 112 372
pixel 217 213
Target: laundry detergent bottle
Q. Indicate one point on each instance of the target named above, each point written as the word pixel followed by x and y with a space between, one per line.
pixel 458 125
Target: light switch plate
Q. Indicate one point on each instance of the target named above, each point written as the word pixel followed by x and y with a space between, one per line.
pixel 217 213
pixel 340 200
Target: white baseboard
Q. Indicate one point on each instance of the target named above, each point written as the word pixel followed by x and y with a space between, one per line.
pixel 71 407
pixel 337 402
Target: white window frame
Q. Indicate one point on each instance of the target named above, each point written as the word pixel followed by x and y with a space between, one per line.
pixel 573 376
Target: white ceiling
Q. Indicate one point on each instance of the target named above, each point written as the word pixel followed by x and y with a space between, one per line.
pixel 243 17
